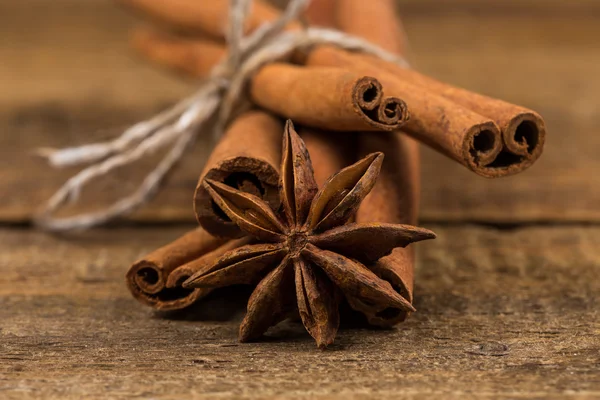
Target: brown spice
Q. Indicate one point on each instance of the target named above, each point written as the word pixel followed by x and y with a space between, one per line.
pixel 523 130
pixel 196 57
pixel 245 158
pixel 311 249
pixel 185 271
pixel 327 98
pixel 375 21
pixel 469 138
pixel 395 197
pixel 491 137
pixel 147 277
pixel 329 151
pixel 207 16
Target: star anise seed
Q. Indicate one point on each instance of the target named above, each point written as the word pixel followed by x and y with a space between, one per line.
pixel 310 254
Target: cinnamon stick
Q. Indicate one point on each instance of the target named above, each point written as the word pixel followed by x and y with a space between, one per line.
pixel 461 134
pixel 147 277
pixel 247 158
pixel 329 151
pixel 523 130
pixel 185 271
pixel 395 197
pixel 491 137
pixel 208 17
pixel 327 98
pixel 195 57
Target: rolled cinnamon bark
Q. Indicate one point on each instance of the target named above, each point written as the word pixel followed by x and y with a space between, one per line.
pixel 183 272
pixel 329 151
pixel 523 130
pixel 327 98
pixel 395 196
pixel 206 16
pixel 461 134
pixel 375 21
pixel 196 57
pixel 147 277
pixel 247 158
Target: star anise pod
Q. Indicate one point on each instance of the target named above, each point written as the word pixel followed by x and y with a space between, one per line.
pixel 307 258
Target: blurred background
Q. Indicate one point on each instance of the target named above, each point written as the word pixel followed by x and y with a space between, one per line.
pixel 67 76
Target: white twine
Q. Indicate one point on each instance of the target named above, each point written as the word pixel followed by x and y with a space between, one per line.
pixel 179 125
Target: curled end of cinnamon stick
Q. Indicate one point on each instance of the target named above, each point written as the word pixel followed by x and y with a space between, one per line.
pixel 493 154
pixel 385 113
pixel 524 137
pixel 146 283
pixel 397 269
pixel 243 173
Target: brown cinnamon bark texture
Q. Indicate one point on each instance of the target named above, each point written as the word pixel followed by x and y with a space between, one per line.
pixel 329 151
pixel 206 16
pixel 327 98
pixel 523 130
pixel 396 195
pixel 491 137
pixel 147 277
pixel 195 57
pixel 375 21
pixel 469 138
pixel 246 158
pixel 185 271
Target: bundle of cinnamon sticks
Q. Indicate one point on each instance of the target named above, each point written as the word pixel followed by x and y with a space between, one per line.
pixel 347 105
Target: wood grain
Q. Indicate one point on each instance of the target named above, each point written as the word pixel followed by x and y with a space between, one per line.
pixel 67 77
pixel 501 314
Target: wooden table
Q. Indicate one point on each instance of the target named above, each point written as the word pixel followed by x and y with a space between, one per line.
pixel 507 296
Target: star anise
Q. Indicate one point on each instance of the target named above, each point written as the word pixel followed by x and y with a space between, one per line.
pixel 310 256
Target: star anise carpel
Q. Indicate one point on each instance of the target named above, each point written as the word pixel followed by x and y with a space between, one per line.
pixel 308 257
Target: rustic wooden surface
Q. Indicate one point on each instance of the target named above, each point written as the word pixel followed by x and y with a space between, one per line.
pixel 503 311
pixel 501 314
pixel 67 77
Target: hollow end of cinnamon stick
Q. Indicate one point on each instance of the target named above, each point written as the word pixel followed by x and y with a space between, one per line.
pixel 384 113
pixel 398 270
pixel 524 137
pixel 246 158
pixel 147 285
pixel 182 273
pixel 247 174
pixel 522 142
pixel 481 146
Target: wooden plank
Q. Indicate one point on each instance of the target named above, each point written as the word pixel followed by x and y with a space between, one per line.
pixel 501 314
pixel 67 77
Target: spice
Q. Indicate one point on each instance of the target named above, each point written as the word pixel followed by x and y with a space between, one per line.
pixel 489 136
pixel 467 137
pixel 245 158
pixel 208 17
pixel 185 271
pixel 395 197
pixel 311 249
pixel 375 21
pixel 523 130
pixel 147 277
pixel 327 98
pixel 196 57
